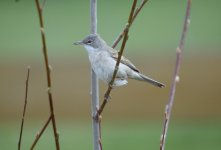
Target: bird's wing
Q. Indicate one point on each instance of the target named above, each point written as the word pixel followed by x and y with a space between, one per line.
pixel 125 61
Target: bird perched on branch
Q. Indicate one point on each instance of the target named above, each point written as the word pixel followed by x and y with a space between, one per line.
pixel 103 60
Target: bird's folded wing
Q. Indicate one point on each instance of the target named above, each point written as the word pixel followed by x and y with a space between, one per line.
pixel 125 61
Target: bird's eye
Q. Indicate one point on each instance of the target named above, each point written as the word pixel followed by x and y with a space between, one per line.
pixel 89 41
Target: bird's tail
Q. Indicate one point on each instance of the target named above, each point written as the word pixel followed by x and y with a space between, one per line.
pixel 151 81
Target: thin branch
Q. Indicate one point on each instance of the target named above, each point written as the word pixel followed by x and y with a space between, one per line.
pixel 93 13
pixel 48 71
pixel 24 109
pixel 176 78
pixel 40 133
pixel 107 94
pixel 137 11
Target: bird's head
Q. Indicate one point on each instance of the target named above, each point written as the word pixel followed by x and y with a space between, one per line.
pixel 93 41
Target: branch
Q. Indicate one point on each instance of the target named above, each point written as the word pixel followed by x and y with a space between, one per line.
pixel 24 110
pixel 94 84
pixel 138 9
pixel 40 133
pixel 106 96
pixel 176 78
pixel 40 10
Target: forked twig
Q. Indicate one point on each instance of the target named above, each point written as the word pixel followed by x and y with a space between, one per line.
pixel 138 9
pixel 176 78
pixel 106 96
pixel 48 71
pixel 24 109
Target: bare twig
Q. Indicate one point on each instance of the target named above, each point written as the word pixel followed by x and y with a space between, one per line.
pixel 138 9
pixel 24 110
pixel 176 78
pixel 94 84
pixel 106 96
pixel 48 71
pixel 40 133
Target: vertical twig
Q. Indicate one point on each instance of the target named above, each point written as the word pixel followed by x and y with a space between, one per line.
pixel 94 84
pixel 48 71
pixel 176 78
pixel 138 9
pixel 24 110
pixel 96 110
pixel 106 96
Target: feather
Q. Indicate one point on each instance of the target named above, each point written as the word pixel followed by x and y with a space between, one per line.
pixel 125 61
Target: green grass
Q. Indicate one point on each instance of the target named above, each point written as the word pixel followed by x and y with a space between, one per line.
pixel 127 135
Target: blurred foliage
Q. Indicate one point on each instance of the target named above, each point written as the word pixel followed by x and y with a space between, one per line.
pixel 157 27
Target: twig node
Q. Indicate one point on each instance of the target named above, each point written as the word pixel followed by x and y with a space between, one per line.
pixel 42 30
pixel 177 79
pixel 188 21
pixel 49 89
pixel 178 50
pixel 50 67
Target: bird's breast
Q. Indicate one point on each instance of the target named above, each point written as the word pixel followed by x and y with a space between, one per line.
pixel 103 65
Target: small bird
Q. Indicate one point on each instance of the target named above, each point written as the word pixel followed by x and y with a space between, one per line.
pixel 103 59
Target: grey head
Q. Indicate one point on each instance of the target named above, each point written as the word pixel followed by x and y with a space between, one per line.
pixel 92 40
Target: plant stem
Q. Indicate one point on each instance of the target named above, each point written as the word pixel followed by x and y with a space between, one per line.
pixel 94 84
pixel 48 71
pixel 24 109
pixel 176 78
pixel 40 133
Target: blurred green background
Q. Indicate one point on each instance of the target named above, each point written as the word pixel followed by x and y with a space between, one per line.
pixel 133 119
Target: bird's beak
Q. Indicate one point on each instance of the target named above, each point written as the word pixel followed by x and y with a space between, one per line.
pixel 78 43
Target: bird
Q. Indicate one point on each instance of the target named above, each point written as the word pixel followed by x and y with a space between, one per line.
pixel 103 60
